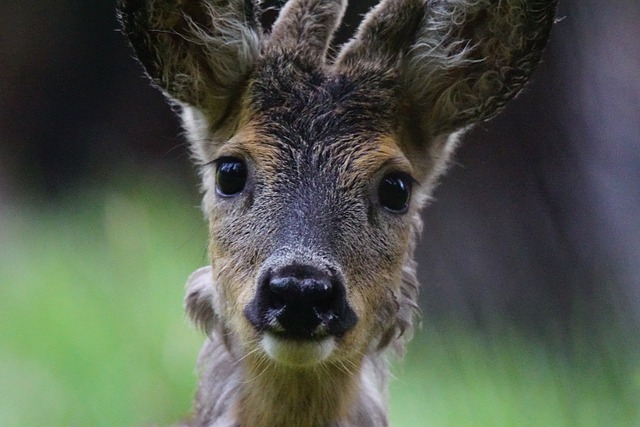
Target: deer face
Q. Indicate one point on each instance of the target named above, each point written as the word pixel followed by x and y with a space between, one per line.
pixel 314 169
pixel 311 207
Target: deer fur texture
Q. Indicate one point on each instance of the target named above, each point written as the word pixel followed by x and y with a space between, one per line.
pixel 320 131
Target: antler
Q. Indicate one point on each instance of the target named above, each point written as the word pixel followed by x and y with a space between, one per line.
pixel 304 29
pixel 382 37
pixel 458 61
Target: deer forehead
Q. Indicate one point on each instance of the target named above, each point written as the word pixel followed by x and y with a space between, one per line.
pixel 317 146
pixel 328 125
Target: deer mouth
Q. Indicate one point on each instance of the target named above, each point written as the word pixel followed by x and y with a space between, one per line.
pixel 294 334
pixel 295 352
pixel 300 310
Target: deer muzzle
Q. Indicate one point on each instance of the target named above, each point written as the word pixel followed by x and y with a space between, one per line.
pixel 300 306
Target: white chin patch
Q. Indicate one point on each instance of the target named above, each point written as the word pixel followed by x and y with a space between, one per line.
pixel 297 353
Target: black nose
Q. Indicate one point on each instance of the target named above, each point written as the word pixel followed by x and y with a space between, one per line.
pixel 301 301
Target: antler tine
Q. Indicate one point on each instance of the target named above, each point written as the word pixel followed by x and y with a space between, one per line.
pixel 382 36
pixel 304 29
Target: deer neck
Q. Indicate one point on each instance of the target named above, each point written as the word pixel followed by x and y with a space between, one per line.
pixel 341 394
pixel 306 397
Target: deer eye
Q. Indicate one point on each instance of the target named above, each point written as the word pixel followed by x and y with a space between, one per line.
pixel 394 192
pixel 231 176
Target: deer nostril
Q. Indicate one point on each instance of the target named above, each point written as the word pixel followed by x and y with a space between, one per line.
pixel 301 302
pixel 302 298
pixel 291 289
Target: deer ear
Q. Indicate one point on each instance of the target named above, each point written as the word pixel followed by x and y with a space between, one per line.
pixel 198 52
pixel 469 58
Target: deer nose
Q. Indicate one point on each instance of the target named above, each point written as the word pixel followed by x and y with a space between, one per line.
pixel 315 291
pixel 302 299
pixel 301 302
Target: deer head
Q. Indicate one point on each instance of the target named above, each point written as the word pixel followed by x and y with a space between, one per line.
pixel 315 165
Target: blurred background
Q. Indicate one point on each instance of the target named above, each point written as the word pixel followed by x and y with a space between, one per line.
pixel 529 260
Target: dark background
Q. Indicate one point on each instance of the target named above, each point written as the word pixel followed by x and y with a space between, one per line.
pixel 536 222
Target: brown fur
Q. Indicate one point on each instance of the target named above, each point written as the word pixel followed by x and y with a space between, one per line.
pixel 318 136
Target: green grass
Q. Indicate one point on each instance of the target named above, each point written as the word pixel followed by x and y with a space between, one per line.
pixel 92 331
pixel 457 379
pixel 92 327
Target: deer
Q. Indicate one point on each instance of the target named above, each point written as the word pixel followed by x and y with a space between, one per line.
pixel 316 161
